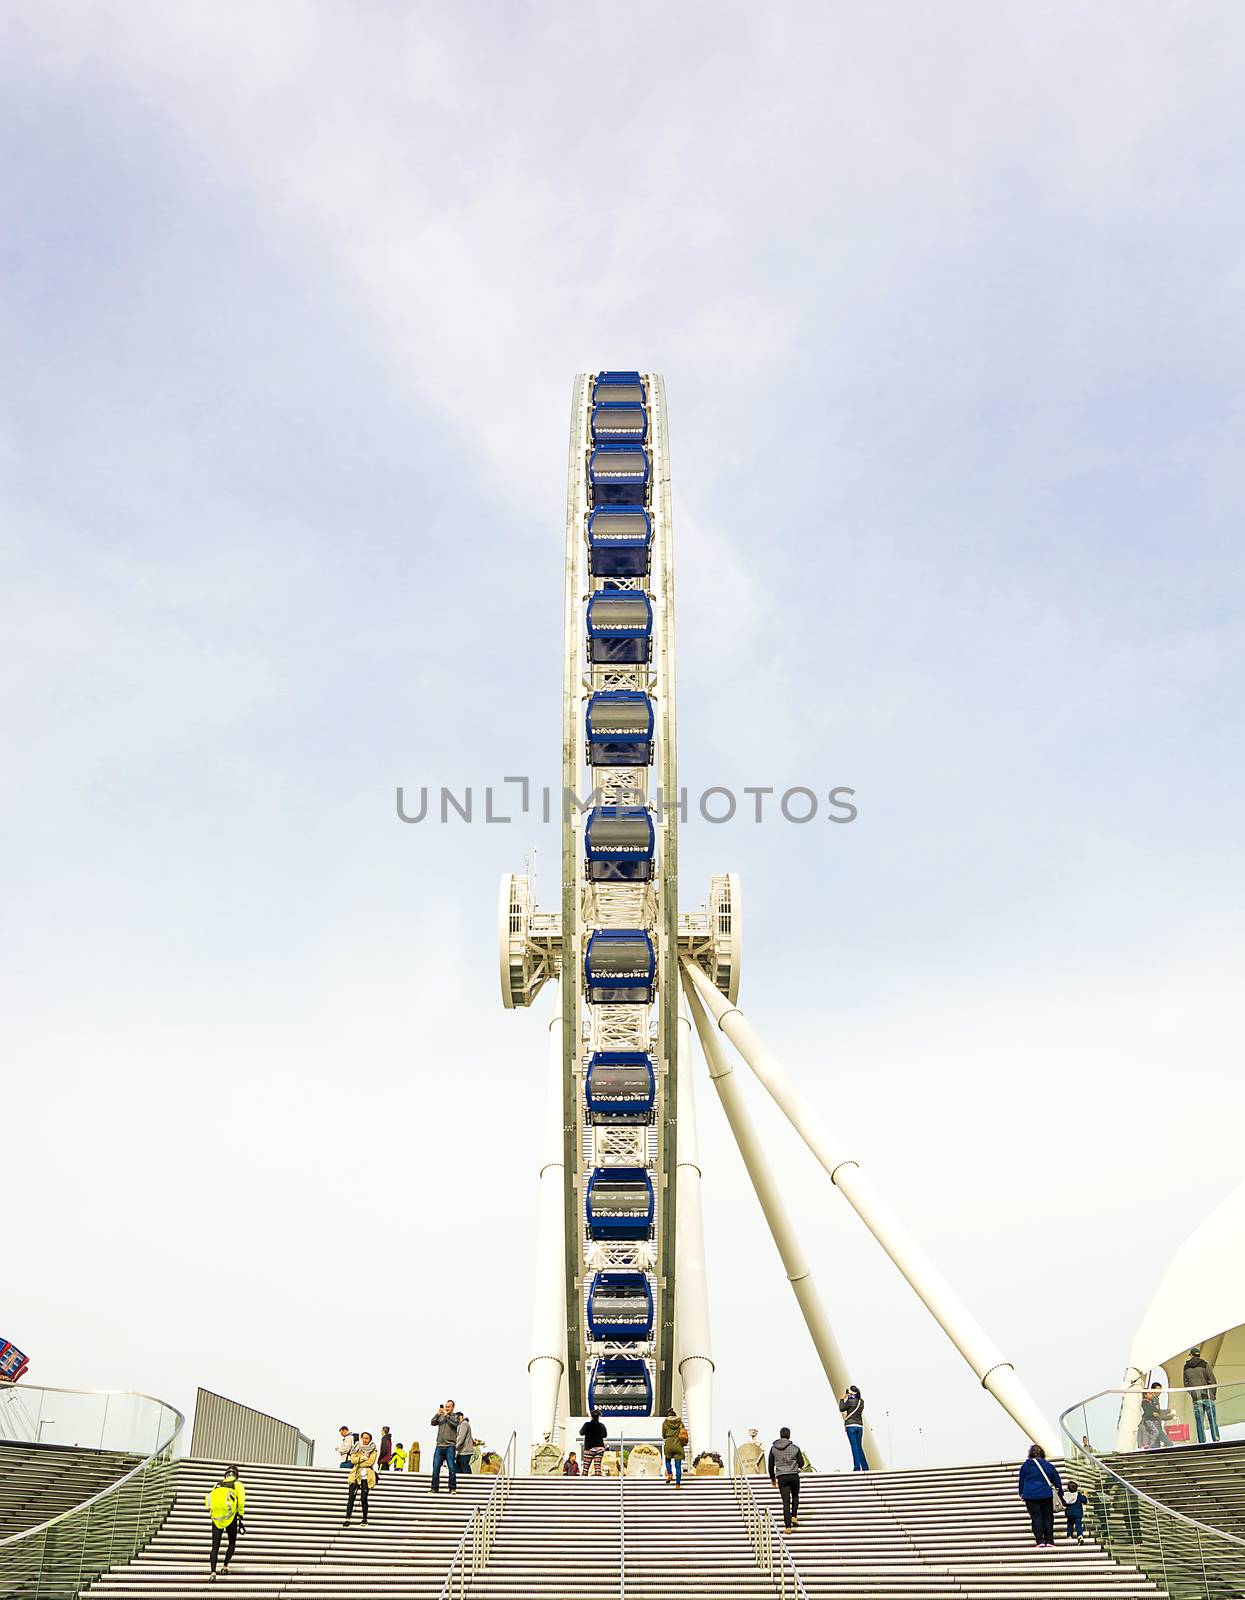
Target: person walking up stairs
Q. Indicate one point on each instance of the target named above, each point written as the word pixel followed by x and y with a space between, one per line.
pixel 784 1474
pixel 674 1438
pixel 226 1503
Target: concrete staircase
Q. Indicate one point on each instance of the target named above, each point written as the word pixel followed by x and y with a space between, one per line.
pixel 1202 1481
pixel 39 1481
pixel 880 1536
pixel 561 1538
pixel 959 1531
pixel 295 1544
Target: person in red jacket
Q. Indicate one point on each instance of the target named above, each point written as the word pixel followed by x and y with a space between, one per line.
pixel 385 1455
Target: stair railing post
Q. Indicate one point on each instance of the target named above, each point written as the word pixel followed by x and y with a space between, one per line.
pixel 622 1518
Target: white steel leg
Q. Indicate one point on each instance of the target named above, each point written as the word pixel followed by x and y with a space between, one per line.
pixel 794 1264
pixel 695 1358
pixel 548 1363
pixel 997 1376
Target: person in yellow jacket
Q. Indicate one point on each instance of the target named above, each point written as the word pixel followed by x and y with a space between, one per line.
pixel 226 1502
pixel 362 1475
pixel 399 1458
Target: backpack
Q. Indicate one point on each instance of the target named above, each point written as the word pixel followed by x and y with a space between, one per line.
pixel 223 1504
pixel 684 1436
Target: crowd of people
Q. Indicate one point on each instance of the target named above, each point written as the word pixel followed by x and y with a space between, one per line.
pixel 455 1448
pixel 364 1457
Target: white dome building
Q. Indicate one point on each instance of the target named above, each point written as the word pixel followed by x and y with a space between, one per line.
pixel 1200 1301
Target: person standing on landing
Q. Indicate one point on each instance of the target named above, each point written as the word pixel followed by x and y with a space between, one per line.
pixel 1199 1376
pixel 594 1433
pixel 464 1446
pixel 346 1442
pixel 362 1475
pixel 852 1406
pixel 673 1443
pixel 446 1421
pixel 226 1501
pixel 385 1453
pixel 1038 1485
pixel 784 1474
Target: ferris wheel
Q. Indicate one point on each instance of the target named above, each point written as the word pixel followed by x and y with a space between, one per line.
pixel 620 1315
pixel 621 1318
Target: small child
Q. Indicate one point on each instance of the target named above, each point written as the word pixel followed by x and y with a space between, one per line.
pixel 1074 1510
pixel 399 1458
pixel 570 1467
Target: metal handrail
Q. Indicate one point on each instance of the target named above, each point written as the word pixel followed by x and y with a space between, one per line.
pixel 622 1518
pixel 768 1545
pixel 471 1554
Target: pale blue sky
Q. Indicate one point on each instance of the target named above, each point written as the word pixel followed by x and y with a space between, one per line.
pixel 948 300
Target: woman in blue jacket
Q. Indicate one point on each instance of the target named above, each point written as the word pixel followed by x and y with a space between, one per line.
pixel 1039 1484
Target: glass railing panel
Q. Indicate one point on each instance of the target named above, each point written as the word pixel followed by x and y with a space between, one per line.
pixel 1127 1420
pixel 55 1561
pixel 1106 1437
pixel 135 1424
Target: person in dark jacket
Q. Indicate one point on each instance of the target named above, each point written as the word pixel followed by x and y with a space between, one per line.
pixel 464 1446
pixel 1038 1486
pixel 446 1421
pixel 594 1433
pixel 1151 1434
pixel 1074 1504
pixel 852 1406
pixel 784 1474
pixel 1199 1377
pixel 385 1453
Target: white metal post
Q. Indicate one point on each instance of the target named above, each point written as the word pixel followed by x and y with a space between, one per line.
pixel 997 1375
pixel 548 1362
pixel 761 1174
pixel 695 1358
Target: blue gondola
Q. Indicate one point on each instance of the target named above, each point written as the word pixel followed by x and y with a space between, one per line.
pixel 616 419
pixel 618 474
pixel 619 1203
pixel 620 844
pixel 620 729
pixel 620 540
pixel 620 967
pixel 618 386
pixel 620 1387
pixel 620 1306
pixel 621 1087
pixel 620 626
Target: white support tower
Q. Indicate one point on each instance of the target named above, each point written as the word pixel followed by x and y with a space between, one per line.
pixel 997 1375
pixel 547 1366
pixel 621 1315
pixel 693 1345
